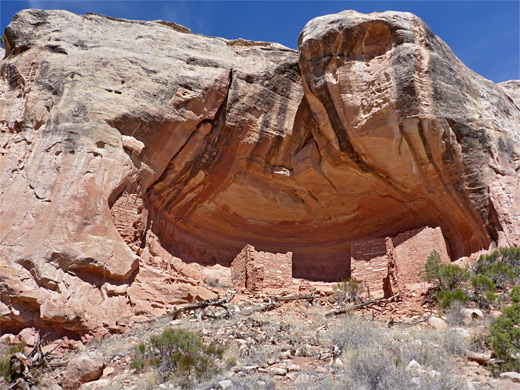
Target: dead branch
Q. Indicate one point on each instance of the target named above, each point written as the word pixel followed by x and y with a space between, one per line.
pixel 308 297
pixel 275 301
pixel 260 308
pixel 23 366
pixel 215 302
pixel 413 323
pixel 19 384
pixel 362 305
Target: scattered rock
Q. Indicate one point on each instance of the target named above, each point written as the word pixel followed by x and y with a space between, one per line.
pixel 82 369
pixel 101 384
pixel 480 358
pixel 249 369
pixel 279 371
pixel 7 338
pixel 337 362
pixel 437 323
pixel 413 365
pixel 513 376
pixel 462 331
pixel 284 355
pixel 27 336
pixel 471 314
pixel 293 367
pixel 433 373
pixel 108 371
pixel 225 385
pixel 504 384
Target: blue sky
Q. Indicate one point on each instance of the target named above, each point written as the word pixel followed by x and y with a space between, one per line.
pixel 485 35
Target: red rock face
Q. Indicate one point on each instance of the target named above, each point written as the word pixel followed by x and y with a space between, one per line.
pixel 132 153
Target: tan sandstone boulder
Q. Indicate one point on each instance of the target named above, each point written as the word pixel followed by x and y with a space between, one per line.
pixel 82 369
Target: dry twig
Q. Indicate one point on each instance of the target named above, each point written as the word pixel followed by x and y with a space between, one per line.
pixel 22 365
pixel 216 302
pixel 363 305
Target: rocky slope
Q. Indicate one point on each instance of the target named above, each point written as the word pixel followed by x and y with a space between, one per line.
pixel 133 152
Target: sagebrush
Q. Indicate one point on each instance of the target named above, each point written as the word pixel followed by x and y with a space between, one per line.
pixel 179 353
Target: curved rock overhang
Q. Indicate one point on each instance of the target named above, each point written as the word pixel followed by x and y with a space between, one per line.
pixel 372 128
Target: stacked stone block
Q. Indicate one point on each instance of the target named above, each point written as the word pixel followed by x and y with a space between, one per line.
pixel 387 265
pixel 130 219
pixel 256 270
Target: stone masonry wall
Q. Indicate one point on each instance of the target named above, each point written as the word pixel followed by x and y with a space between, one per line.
pixel 238 269
pixel 256 270
pixel 130 219
pixel 413 247
pixel 387 265
pixel 391 283
pixel 369 264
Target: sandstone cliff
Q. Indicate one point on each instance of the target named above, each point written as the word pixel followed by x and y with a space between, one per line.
pixel 132 152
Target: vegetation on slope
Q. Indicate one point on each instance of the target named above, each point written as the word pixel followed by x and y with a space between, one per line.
pixel 486 284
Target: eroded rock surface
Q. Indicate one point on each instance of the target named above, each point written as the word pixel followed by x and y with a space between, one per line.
pixel 133 152
pixel 512 90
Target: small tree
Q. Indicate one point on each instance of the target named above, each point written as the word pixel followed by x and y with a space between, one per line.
pixel 505 335
pixel 447 280
pixel 484 290
pixel 502 266
pixel 350 291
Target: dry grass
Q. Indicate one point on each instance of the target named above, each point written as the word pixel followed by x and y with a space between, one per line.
pixel 375 357
pixel 372 356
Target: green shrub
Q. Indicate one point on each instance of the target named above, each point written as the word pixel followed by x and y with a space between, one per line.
pixel 505 335
pixel 5 367
pixel 448 297
pixel 5 358
pixel 502 266
pixel 181 353
pixel 432 269
pixel 443 276
pixel 448 280
pixel 483 290
pixel 349 291
pixel 140 361
pixel 497 270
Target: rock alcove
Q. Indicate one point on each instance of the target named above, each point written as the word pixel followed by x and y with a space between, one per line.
pixel 120 139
